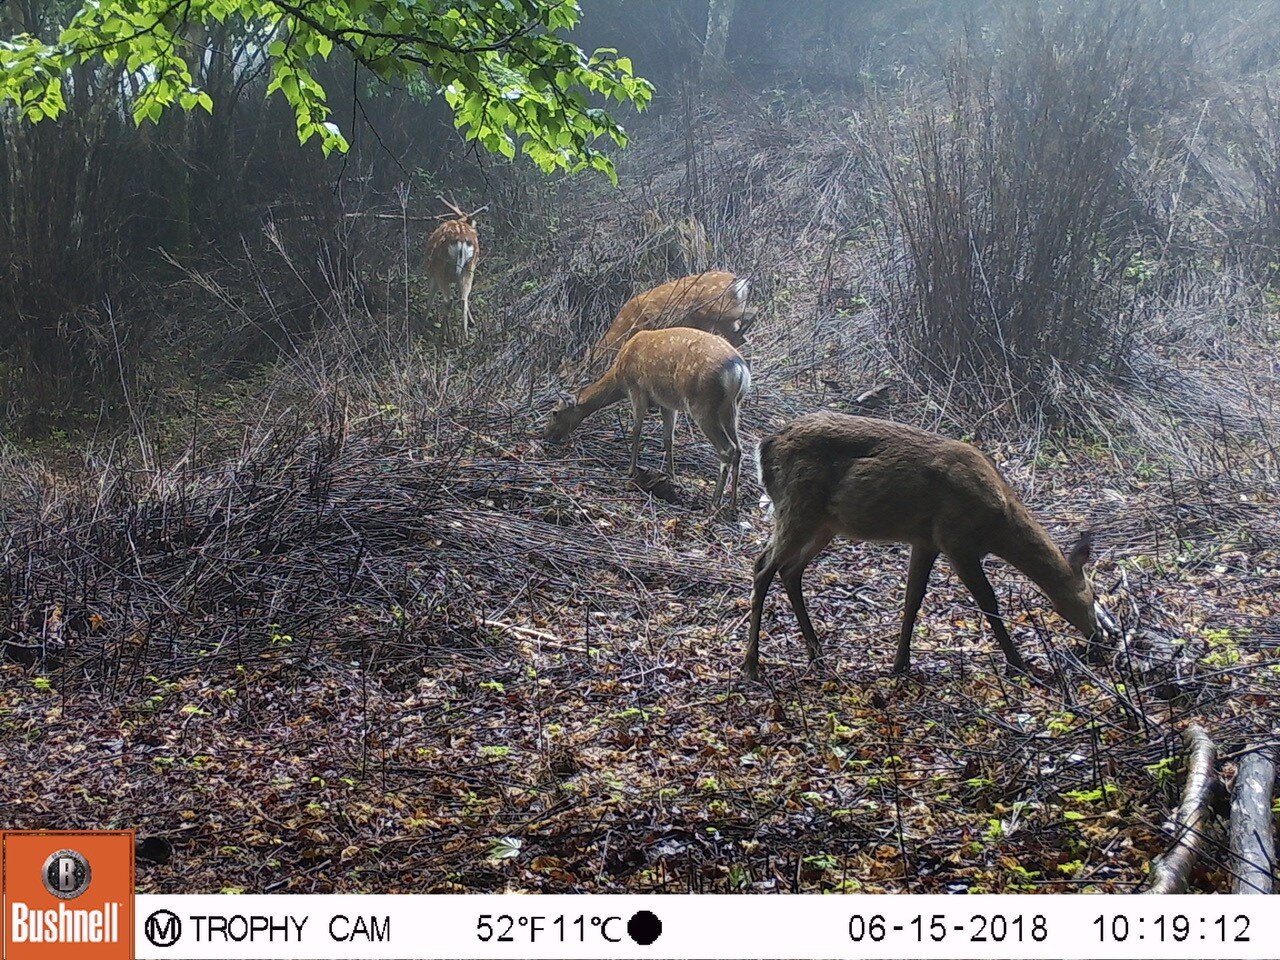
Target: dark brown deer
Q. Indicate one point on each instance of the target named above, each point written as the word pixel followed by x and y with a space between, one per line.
pixel 829 474
pixel 679 370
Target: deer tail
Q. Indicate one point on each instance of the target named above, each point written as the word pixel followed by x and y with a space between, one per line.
pixel 462 251
pixel 736 380
pixel 765 471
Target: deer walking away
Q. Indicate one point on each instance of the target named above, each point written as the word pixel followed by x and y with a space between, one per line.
pixel 452 251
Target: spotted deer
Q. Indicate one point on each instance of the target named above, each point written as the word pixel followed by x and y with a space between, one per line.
pixel 681 370
pixel 829 474
pixel 714 301
pixel 452 251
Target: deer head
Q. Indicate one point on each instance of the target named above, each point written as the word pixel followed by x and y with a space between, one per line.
pixel 1077 603
pixel 565 417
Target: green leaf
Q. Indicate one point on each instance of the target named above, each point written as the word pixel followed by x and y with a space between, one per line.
pixel 511 89
pixel 505 848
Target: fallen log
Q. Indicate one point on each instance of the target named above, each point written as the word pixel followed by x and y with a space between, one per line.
pixel 1171 870
pixel 1253 838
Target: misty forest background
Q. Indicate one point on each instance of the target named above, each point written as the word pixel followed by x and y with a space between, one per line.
pixel 291 586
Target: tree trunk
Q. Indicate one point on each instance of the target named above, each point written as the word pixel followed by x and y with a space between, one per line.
pixel 719 16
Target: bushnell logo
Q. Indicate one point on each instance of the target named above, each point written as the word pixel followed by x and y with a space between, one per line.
pixel 56 906
pixel 66 874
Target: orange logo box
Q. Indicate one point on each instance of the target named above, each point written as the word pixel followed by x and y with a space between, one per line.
pixel 66 894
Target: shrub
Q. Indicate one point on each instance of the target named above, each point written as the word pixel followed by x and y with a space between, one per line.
pixel 1259 140
pixel 1011 200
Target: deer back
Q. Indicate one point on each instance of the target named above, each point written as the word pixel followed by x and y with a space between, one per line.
pixel 878 480
pixel 682 367
pixel 452 249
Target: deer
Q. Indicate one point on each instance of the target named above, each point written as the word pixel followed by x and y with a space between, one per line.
pixel 681 370
pixel 671 246
pixel 830 474
pixel 452 251
pixel 715 301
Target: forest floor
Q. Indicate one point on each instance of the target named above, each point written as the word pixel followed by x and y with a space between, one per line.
pixel 362 662
pixel 385 640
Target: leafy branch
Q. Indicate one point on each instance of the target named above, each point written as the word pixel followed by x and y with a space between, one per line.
pixel 513 81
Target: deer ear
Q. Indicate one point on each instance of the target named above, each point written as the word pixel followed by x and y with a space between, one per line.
pixel 1082 552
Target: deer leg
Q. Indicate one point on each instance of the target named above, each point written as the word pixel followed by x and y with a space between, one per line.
pixel 444 312
pixel 721 476
pixel 922 560
pixel 448 332
pixel 416 325
pixel 669 418
pixel 726 449
pixel 722 431
pixel 735 467
pixel 639 407
pixel 735 457
pixel 973 577
pixel 790 555
pixel 764 574
pixel 791 571
pixel 791 581
pixel 464 292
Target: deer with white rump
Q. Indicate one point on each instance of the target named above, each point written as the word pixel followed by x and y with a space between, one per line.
pixel 715 301
pixel 681 370
pixel 452 251
pixel 830 474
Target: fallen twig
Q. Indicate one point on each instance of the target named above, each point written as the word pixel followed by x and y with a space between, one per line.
pixel 1171 870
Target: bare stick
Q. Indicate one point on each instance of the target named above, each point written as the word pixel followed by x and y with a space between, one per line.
pixel 1171 870
pixel 1253 840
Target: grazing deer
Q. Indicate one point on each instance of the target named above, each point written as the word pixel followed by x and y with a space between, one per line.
pixel 452 251
pixel 829 474
pixel 715 301
pixel 681 370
